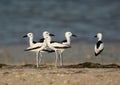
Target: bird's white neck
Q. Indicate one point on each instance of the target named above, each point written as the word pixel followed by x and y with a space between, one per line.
pixel 68 40
pixel 45 42
pixel 49 43
pixel 48 40
pixel 31 41
pixel 99 38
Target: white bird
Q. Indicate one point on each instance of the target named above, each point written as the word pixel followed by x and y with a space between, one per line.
pixel 59 47
pixel 37 47
pixel 99 46
pixel 66 42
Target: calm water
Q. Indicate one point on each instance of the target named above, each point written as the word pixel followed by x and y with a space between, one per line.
pixel 82 17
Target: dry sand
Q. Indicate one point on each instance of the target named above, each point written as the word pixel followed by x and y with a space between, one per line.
pixel 49 75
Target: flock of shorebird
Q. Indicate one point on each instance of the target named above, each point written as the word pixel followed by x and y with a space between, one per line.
pixel 47 45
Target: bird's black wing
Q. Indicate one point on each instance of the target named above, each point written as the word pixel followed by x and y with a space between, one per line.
pixel 34 42
pixel 99 43
pixel 63 41
pixel 41 40
pixel 55 42
pixel 96 54
pixel 49 51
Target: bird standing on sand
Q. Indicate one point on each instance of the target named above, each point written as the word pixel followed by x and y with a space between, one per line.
pixel 37 47
pixel 66 42
pixel 99 46
pixel 58 47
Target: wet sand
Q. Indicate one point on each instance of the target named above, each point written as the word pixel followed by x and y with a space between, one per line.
pixel 68 75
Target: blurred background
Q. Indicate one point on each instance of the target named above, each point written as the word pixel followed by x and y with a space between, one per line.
pixel 85 18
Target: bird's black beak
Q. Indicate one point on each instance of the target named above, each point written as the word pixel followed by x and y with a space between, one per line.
pixel 52 35
pixel 24 36
pixel 95 36
pixel 74 35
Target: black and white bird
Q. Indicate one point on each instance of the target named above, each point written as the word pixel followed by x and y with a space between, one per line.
pixel 66 42
pixel 59 47
pixel 99 46
pixel 37 47
pixel 68 38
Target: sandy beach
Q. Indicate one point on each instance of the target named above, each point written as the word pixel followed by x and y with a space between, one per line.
pixel 49 75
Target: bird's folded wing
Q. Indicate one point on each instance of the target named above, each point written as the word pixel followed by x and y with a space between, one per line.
pixel 32 48
pixel 59 45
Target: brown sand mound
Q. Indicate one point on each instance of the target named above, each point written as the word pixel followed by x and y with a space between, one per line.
pixel 80 65
pixel 93 65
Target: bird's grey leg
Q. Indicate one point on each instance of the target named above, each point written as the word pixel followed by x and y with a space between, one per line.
pixel 61 59
pixel 56 58
pixel 40 57
pixel 37 59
